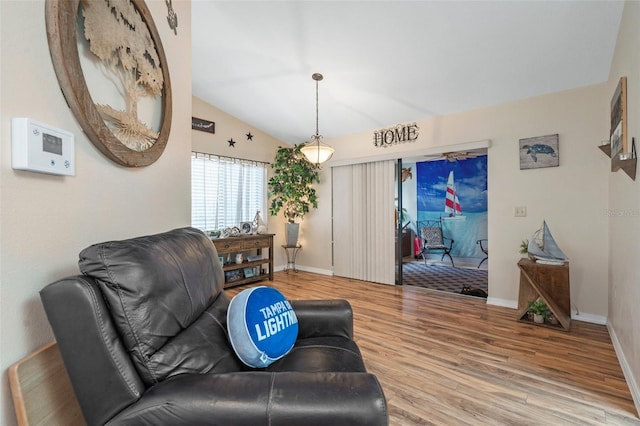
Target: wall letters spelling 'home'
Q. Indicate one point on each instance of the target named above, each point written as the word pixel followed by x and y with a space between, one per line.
pixel 401 133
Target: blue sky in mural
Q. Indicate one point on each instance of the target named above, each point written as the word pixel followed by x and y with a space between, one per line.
pixel 470 178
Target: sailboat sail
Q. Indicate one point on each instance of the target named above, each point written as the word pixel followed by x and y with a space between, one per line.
pixel 544 249
pixel 452 208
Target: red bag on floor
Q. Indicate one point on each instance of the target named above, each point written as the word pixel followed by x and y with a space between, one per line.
pixel 417 247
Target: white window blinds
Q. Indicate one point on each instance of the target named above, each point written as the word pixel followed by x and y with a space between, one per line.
pixel 226 191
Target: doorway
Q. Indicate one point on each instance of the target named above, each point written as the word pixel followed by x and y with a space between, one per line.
pixel 448 191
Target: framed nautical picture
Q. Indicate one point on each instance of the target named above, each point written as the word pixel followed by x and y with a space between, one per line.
pixel 539 151
pixel 618 130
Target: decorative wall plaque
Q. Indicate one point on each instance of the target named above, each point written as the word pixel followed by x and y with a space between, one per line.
pixel 618 131
pixel 539 151
pixel 125 45
pixel 203 125
pixel 402 133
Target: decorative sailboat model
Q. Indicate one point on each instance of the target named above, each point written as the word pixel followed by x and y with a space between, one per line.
pixel 543 249
pixel 452 209
pixel 259 226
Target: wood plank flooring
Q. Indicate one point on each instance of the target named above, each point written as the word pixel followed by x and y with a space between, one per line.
pixel 453 360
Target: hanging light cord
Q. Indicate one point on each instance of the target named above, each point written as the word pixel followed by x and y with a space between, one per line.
pixel 317 77
pixel 317 108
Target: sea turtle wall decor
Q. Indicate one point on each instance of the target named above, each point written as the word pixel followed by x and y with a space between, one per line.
pixel 540 151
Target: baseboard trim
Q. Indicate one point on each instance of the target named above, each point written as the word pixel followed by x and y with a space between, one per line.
pixel 626 369
pixel 305 269
pixel 315 270
pixel 505 303
pixel 594 319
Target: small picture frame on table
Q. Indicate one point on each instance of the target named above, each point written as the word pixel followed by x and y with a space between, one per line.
pixel 234 275
pixel 249 272
pixel 221 259
pixel 246 227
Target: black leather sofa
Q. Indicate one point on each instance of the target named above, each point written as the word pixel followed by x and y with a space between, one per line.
pixel 143 336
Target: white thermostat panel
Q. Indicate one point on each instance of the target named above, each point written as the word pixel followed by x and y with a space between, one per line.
pixel 38 147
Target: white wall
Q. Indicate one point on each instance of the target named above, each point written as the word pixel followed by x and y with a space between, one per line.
pixel 263 147
pixel 46 220
pixel 571 197
pixel 624 208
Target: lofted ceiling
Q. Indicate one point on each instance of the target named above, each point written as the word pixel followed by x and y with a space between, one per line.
pixel 390 62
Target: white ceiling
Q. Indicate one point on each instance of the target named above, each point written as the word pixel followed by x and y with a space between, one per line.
pixel 390 62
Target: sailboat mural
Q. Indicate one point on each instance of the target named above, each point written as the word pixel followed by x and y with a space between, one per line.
pixel 543 248
pixel 467 188
pixel 452 208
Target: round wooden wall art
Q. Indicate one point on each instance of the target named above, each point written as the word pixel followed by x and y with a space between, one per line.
pixel 113 72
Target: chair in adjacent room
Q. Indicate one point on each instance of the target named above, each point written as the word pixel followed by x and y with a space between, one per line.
pixel 433 240
pixel 146 340
pixel 485 249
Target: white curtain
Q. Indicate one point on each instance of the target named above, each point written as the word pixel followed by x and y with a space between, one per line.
pixel 226 191
pixel 363 221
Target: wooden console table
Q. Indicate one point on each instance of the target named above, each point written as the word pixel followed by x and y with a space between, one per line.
pixel 551 284
pixel 245 244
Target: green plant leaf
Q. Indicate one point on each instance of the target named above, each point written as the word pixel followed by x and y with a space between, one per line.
pixel 290 186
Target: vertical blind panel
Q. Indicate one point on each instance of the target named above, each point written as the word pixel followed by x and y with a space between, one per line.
pixel 363 216
pixel 226 191
pixel 342 199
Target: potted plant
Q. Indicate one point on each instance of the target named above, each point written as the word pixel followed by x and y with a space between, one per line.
pixel 539 310
pixel 290 188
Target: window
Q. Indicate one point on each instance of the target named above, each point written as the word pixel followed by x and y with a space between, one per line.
pixel 226 191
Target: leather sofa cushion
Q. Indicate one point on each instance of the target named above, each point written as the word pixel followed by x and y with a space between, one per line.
pixel 328 354
pixel 159 289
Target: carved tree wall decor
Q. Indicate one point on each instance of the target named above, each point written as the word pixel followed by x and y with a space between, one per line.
pixel 127 48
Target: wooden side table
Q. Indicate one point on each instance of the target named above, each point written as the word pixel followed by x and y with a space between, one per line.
pixel 262 244
pixel 551 284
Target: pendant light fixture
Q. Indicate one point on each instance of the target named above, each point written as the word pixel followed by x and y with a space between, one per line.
pixel 316 151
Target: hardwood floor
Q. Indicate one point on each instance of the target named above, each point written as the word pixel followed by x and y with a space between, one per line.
pixel 453 360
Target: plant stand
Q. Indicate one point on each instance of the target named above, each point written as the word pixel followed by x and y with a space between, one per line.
pixel 551 284
pixel 292 252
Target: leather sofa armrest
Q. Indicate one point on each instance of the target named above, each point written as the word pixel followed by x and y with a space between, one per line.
pixel 317 318
pixel 261 398
pixel 95 359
